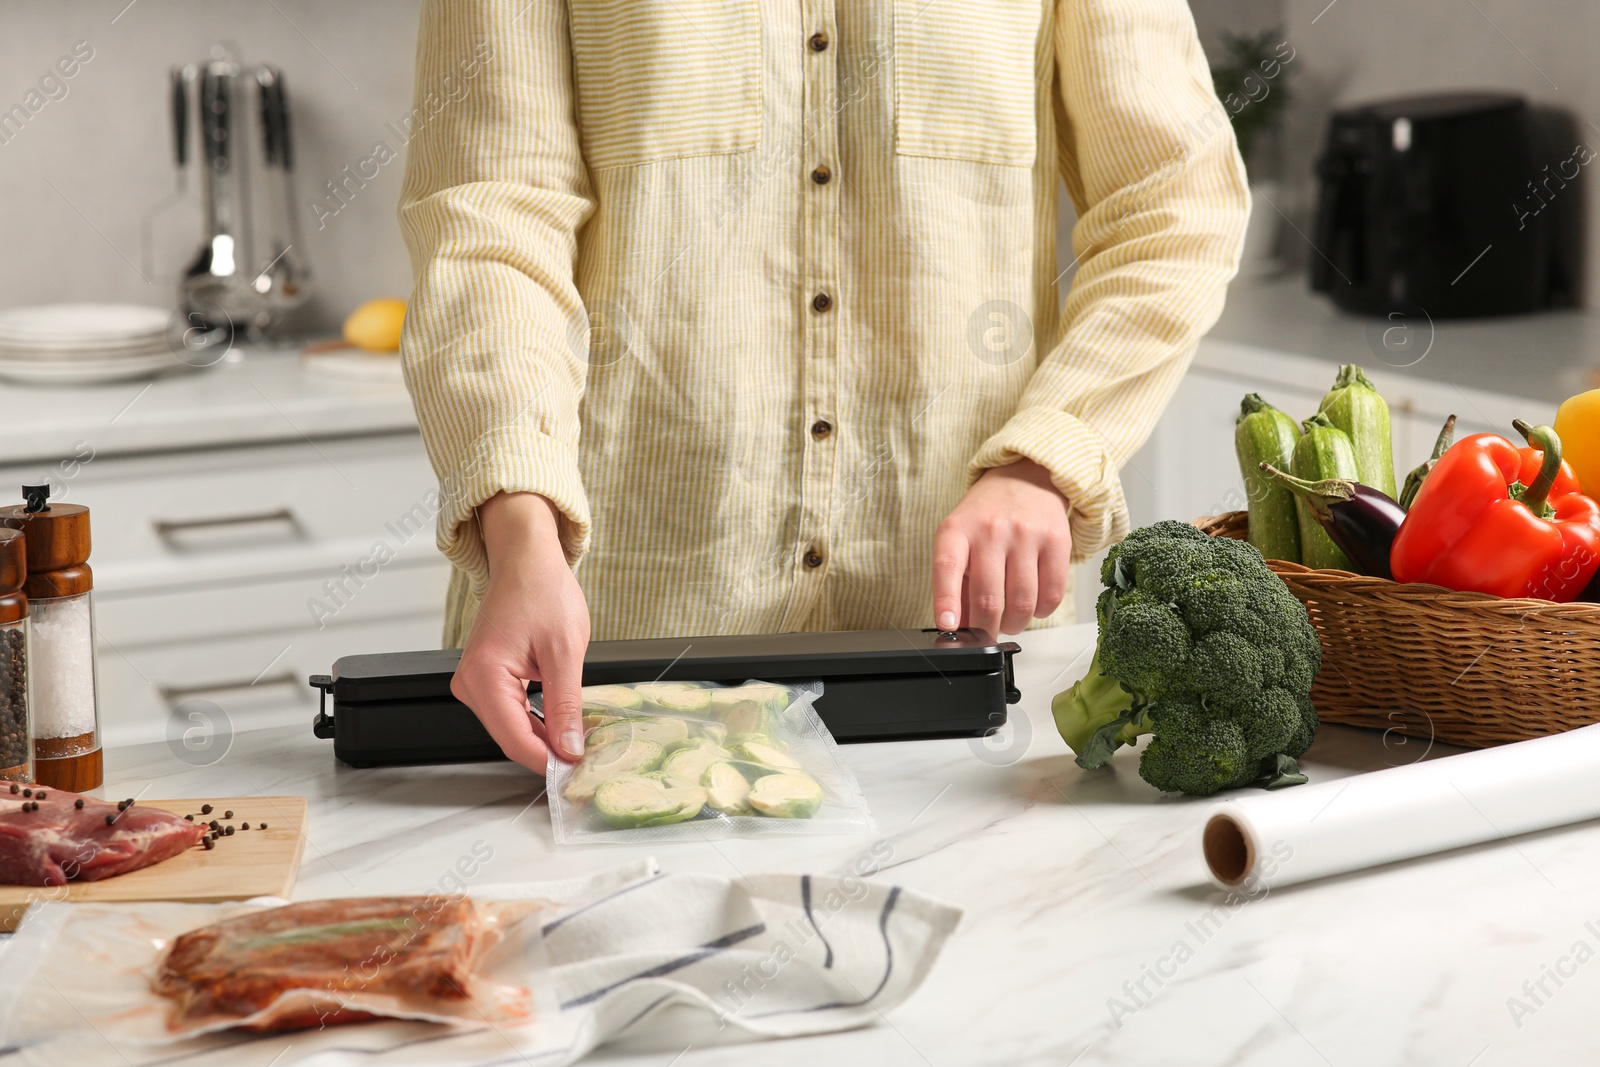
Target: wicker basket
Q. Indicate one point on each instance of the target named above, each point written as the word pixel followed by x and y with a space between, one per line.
pixel 1462 668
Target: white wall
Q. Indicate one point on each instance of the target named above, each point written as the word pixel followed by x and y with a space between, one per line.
pixel 1359 49
pixel 87 210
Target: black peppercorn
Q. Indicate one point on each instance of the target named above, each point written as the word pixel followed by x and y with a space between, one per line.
pixel 228 832
pixel 40 795
pixel 27 792
pixel 78 803
pixel 227 815
pixel 15 788
pixel 110 819
pixel 209 843
pixel 246 826
pixel 189 817
pixel 13 699
pixel 205 809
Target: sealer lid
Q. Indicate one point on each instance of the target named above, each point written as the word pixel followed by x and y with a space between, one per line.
pixel 731 658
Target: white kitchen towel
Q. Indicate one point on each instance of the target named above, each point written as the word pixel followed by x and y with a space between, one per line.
pixel 671 959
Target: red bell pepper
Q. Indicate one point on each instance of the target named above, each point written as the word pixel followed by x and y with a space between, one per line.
pixel 1495 518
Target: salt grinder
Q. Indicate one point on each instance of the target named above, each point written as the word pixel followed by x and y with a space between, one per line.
pixel 66 719
pixel 16 733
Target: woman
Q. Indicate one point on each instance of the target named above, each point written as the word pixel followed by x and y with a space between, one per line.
pixel 751 306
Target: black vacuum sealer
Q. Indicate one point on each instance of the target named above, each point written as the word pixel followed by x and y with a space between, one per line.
pixel 878 685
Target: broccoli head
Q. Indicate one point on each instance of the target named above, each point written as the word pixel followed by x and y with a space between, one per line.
pixel 1204 648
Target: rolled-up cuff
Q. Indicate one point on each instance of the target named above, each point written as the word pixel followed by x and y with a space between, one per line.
pixel 509 460
pixel 1080 467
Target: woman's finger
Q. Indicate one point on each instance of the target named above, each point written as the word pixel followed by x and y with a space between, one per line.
pixel 950 549
pixel 1055 574
pixel 500 701
pixel 561 669
pixel 986 586
pixel 1022 588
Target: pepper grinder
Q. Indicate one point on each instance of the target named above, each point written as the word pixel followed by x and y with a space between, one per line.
pixel 66 719
pixel 16 733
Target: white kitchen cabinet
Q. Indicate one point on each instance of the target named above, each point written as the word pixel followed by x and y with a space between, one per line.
pixel 233 682
pixel 251 524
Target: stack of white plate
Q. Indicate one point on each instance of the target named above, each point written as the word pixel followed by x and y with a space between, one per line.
pixel 79 344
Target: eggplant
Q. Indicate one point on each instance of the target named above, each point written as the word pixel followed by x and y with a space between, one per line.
pixel 1414 480
pixel 1360 519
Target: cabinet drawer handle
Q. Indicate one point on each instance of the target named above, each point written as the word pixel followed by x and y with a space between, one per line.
pixel 170 530
pixel 173 695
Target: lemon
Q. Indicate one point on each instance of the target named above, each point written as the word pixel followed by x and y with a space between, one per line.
pixel 375 325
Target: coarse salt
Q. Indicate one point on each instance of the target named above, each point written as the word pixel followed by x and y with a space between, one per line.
pixel 62 667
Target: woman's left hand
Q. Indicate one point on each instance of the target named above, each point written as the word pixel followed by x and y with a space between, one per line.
pixel 1003 556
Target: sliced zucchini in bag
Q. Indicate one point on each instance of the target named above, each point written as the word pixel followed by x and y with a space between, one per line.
pixel 633 800
pixel 675 696
pixel 765 754
pixel 663 731
pixel 608 761
pixel 743 716
pixel 689 764
pixel 616 696
pixel 773 698
pixel 786 796
pixel 727 790
pixel 715 732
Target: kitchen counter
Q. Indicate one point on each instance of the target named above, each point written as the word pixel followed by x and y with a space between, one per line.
pixel 1546 356
pixel 1077 886
pixel 257 394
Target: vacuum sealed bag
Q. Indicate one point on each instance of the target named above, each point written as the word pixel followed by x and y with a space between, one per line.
pixel 157 973
pixel 695 760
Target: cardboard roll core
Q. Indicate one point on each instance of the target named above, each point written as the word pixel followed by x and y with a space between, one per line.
pixel 1229 852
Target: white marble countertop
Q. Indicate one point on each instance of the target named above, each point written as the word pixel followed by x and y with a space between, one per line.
pixel 1546 356
pixel 255 395
pixel 1077 887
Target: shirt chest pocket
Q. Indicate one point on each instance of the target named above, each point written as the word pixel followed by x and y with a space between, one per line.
pixel 965 86
pixel 665 79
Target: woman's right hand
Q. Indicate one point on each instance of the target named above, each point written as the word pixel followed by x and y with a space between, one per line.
pixel 532 625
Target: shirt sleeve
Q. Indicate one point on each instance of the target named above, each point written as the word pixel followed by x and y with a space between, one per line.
pixel 495 337
pixel 1148 156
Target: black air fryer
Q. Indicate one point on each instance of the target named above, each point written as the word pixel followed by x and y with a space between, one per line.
pixel 1443 202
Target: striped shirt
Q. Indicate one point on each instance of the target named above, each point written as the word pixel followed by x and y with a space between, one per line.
pixel 752 290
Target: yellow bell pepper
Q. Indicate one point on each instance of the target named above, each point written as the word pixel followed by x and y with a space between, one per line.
pixel 1578 426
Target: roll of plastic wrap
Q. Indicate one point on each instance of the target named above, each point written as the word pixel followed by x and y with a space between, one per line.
pixel 1305 832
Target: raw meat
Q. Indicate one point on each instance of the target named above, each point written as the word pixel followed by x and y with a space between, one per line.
pixel 60 842
pixel 306 964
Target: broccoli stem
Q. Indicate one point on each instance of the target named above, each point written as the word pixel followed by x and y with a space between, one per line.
pixel 1278 771
pixel 1097 716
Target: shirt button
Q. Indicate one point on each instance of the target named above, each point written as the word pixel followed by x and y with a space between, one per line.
pixel 822 175
pixel 819 42
pixel 813 559
pixel 821 428
pixel 822 301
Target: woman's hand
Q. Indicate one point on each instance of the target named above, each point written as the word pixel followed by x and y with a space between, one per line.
pixel 1004 554
pixel 532 625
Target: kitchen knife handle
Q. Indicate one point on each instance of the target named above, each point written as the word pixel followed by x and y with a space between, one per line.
pixel 180 116
pixel 216 123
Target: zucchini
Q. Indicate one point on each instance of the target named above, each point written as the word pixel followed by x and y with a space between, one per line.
pixel 1323 451
pixel 1356 407
pixel 1263 434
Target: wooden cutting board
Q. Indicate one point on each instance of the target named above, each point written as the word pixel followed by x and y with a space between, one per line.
pixel 250 863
